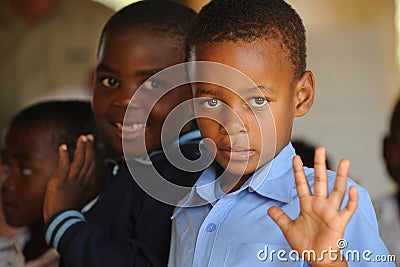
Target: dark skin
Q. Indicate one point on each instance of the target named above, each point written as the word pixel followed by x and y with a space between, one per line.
pixel 25 184
pixel 77 176
pixel 320 222
pixel 5 229
pixel 25 151
pixel 126 59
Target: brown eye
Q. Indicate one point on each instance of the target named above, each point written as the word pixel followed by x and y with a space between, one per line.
pixel 152 85
pixel 258 102
pixel 109 82
pixel 211 103
pixel 25 171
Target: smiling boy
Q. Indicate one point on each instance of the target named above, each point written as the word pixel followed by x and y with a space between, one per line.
pixel 126 226
pixel 248 125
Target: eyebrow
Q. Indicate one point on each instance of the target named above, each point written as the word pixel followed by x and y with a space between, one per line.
pixel 203 91
pixel 263 88
pixel 148 72
pixel 105 68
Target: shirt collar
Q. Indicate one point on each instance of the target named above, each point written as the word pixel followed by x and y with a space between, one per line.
pixel 274 180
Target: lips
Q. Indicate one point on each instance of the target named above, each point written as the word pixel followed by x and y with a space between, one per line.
pixel 129 130
pixel 237 153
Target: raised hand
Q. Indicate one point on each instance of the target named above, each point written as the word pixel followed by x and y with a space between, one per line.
pixel 66 188
pixel 321 223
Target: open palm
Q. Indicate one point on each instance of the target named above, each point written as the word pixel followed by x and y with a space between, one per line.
pixel 67 187
pixel 321 223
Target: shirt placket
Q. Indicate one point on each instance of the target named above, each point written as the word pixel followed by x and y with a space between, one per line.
pixel 208 233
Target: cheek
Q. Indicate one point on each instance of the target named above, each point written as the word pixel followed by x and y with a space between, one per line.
pixel 263 127
pixel 208 128
pixel 160 111
pixel 30 198
pixel 263 137
pixel 158 115
pixel 168 105
pixel 283 120
pixel 98 104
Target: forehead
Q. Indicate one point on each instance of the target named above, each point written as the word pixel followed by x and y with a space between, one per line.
pixel 29 143
pixel 133 45
pixel 262 64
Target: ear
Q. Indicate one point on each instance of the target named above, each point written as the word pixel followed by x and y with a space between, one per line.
pixel 304 94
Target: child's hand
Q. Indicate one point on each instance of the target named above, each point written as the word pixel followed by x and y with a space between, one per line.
pixel 66 188
pixel 321 223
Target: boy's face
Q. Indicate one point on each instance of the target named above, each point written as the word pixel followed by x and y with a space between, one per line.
pixel 266 108
pixel 126 59
pixel 29 161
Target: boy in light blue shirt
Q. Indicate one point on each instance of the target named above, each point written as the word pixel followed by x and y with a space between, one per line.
pixel 245 105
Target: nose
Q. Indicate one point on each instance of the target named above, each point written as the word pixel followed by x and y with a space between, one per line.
pixel 124 95
pixel 231 122
pixel 130 97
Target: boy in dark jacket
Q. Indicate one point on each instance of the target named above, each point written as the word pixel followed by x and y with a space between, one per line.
pixel 126 227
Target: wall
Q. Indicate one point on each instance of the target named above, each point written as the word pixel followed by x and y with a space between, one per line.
pixel 351 50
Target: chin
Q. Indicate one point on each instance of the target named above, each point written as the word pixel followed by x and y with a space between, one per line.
pixel 239 171
pixel 133 152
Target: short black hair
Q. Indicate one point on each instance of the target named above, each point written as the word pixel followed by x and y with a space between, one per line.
pixel 249 21
pixel 65 121
pixel 158 16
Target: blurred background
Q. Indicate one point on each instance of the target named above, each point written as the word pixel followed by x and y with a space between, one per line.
pixel 353 50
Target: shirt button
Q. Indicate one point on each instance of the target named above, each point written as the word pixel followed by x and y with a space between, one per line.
pixel 211 227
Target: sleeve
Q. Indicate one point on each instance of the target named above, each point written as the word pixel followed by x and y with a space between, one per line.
pixel 143 243
pixel 81 243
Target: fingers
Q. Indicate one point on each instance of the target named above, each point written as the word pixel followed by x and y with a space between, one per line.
pixel 302 187
pixel 78 158
pixel 63 164
pixel 351 206
pixel 87 167
pixel 280 218
pixel 83 158
pixel 321 178
pixel 339 188
pixel 89 177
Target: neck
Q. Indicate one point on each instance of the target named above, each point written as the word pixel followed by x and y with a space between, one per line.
pixel 230 183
